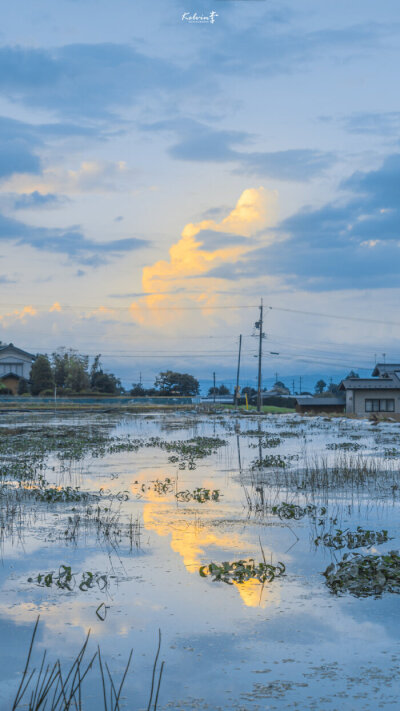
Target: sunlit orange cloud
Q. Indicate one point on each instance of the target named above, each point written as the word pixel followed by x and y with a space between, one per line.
pixel 56 307
pixel 18 314
pixel 192 541
pixel 189 262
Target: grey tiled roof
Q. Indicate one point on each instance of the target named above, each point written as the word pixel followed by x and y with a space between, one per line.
pixel 4 346
pixel 388 383
pixel 382 368
pixel 319 401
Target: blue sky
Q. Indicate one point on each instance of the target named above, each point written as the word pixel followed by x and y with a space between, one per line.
pixel 159 176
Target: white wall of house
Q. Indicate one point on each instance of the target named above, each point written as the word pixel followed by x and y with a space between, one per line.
pixel 11 361
pixel 385 400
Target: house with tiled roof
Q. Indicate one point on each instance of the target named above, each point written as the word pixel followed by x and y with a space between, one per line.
pixel 381 393
pixel 15 364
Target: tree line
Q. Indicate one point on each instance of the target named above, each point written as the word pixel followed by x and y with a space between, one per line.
pixel 67 372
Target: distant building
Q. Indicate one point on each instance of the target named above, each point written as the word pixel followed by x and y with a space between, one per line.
pixel 277 391
pixel 381 393
pixel 318 405
pixel 14 365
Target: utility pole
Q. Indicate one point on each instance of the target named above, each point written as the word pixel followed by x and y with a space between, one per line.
pixel 140 377
pixel 214 387
pixel 300 386
pixel 238 372
pixel 259 324
pixel 293 387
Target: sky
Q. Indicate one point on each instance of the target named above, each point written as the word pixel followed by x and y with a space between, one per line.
pixel 164 167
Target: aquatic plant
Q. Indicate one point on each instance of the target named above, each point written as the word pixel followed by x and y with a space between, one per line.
pixel 352 539
pixel 365 575
pixel 65 579
pixel 286 510
pixel 346 446
pixel 163 487
pixel 200 495
pixel 391 452
pixel 267 441
pixel 241 570
pixel 54 494
pixel 271 460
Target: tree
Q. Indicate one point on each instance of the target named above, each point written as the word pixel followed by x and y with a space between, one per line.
pixel 352 374
pixel 106 383
pixel 70 370
pixel 333 388
pixel 23 386
pixel 320 386
pixel 41 375
pixel 137 390
pixel 60 360
pixel 103 382
pixel 221 390
pixel 170 383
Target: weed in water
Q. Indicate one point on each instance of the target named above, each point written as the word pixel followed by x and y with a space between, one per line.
pixel 352 539
pixel 271 460
pixel 365 575
pixel 200 495
pixel 345 446
pixel 65 579
pixel 294 511
pixel 241 570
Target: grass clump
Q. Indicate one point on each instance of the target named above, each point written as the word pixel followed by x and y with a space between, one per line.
pixel 49 686
pixel 365 575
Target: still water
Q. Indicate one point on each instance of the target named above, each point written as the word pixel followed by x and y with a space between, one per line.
pixel 286 644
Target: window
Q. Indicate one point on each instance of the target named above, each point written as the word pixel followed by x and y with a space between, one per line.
pixel 375 405
pixel 16 368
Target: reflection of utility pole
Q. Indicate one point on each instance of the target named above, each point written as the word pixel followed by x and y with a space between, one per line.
pixel 238 372
pixel 259 325
pixel 214 386
pixel 238 452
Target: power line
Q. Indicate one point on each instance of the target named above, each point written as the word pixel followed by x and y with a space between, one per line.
pixel 207 308
pixel 335 316
pixel 128 308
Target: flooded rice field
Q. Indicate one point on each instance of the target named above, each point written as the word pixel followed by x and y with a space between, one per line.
pixel 200 543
